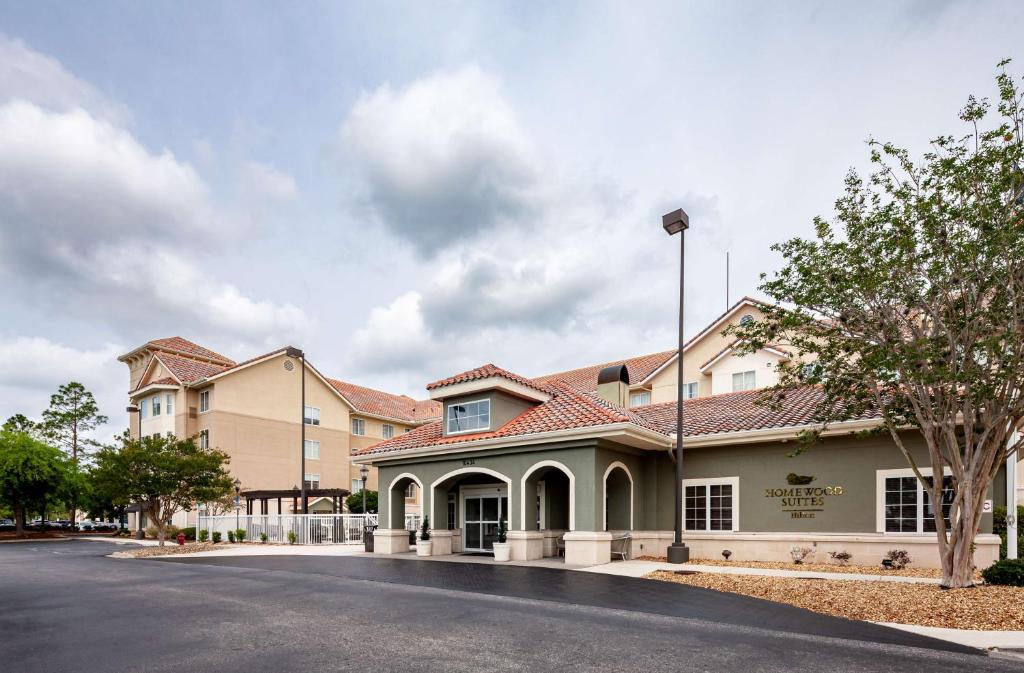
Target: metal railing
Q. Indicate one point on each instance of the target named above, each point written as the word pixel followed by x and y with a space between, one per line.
pixel 308 528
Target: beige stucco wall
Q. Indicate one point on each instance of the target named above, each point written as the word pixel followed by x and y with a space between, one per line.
pixel 762 363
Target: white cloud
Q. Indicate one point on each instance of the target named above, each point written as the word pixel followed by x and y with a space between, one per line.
pixel 444 158
pixel 264 182
pixel 394 337
pixel 28 75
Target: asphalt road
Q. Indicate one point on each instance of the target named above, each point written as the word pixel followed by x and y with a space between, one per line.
pixel 65 606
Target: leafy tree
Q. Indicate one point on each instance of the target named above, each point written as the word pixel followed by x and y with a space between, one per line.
pixel 31 473
pixel 20 423
pixel 354 502
pixel 163 475
pixel 72 414
pixel 911 304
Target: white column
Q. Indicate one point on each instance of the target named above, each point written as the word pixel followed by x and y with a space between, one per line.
pixel 1011 502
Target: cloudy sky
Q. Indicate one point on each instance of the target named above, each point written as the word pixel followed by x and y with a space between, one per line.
pixel 409 190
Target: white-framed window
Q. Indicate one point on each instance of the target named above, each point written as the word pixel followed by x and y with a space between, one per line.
pixel 155 401
pixel 744 381
pixel 143 408
pixel 410 491
pixel 169 408
pixel 204 439
pixel 358 426
pixel 639 399
pixel 904 506
pixel 690 390
pixel 312 449
pixel 357 485
pixel 711 504
pixel 311 415
pixel 469 416
pixel 388 430
pixel 312 480
pixel 204 401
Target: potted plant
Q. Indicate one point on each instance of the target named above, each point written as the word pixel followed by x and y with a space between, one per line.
pixel 424 545
pixel 502 549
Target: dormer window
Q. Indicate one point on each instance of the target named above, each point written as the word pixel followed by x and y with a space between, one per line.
pixel 469 416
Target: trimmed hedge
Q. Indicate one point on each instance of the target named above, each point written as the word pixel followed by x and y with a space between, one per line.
pixel 190 533
pixel 1008 572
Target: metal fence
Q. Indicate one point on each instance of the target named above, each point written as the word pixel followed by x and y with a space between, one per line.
pixel 308 528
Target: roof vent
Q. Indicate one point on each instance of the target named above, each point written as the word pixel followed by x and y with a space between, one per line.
pixel 613 384
pixel 288 366
pixel 613 374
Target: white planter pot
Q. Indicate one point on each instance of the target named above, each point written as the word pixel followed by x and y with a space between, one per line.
pixel 502 551
pixel 423 547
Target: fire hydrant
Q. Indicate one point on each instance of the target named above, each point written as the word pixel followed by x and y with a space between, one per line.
pixel 181 539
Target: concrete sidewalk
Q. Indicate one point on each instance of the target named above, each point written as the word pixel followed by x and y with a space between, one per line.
pixel 641 568
pixel 985 640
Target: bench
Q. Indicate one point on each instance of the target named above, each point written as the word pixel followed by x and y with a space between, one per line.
pixel 620 546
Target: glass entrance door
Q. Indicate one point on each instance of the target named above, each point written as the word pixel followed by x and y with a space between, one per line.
pixel 483 512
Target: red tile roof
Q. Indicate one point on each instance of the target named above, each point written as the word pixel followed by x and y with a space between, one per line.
pixel 484 372
pixel 379 403
pixel 188 370
pixel 735 412
pixel 178 344
pixel 585 378
pixel 569 408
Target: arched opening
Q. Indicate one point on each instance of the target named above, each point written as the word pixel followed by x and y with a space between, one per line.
pixel 397 498
pixel 471 502
pixel 549 503
pixel 618 497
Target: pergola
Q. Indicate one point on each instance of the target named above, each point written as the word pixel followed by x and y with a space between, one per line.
pixel 263 498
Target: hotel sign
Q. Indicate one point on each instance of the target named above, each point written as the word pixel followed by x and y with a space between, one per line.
pixel 802 501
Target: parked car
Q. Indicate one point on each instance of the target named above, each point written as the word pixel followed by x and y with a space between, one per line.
pixel 86 524
pixel 7 524
pixel 61 524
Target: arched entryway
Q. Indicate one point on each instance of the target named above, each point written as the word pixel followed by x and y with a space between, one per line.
pixel 549 503
pixel 618 497
pixel 397 491
pixel 470 503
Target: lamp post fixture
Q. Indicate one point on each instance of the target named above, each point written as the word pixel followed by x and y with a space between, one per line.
pixel 294 352
pixel 238 500
pixel 134 409
pixel 677 222
pixel 364 472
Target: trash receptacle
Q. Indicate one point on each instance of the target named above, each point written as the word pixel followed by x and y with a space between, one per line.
pixel 368 538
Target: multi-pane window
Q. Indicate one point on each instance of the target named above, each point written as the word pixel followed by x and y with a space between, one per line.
pixel 388 431
pixel 204 401
pixel 410 491
pixel 468 416
pixel 312 448
pixel 640 399
pixel 689 390
pixel 311 415
pixel 358 426
pixel 451 512
pixel 357 485
pixel 204 439
pixel 156 405
pixel 312 480
pixel 710 505
pixel 908 506
pixel 169 409
pixel 744 381
pixel 143 408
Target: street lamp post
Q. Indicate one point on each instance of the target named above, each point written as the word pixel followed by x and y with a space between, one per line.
pixel 238 501
pixel 134 409
pixel 364 472
pixel 677 222
pixel 293 352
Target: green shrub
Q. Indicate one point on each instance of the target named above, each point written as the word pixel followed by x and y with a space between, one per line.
pixel 216 536
pixel 291 537
pixel 1009 572
pixel 999 528
pixel 263 538
pixel 190 533
pixel 170 532
pixel 231 536
pixel 425 529
pixel 204 535
pixel 899 558
pixel 240 535
pixel 354 502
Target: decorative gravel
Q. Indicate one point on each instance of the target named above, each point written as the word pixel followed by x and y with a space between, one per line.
pixel 934 573
pixel 983 608
pixel 171 549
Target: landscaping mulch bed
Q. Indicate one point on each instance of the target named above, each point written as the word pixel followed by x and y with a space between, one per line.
pixel 171 549
pixel 984 608
pixel 934 573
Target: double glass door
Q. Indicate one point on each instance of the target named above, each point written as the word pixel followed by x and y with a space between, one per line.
pixel 483 512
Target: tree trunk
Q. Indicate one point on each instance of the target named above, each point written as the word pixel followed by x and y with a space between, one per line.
pixel 958 557
pixel 19 519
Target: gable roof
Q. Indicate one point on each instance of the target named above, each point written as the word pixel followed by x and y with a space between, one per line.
pixel 566 409
pixel 188 370
pixel 585 378
pixel 380 403
pixel 485 372
pixel 181 346
pixel 775 350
